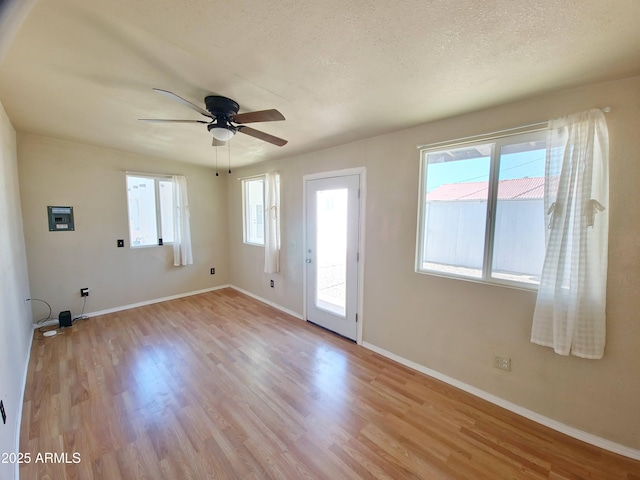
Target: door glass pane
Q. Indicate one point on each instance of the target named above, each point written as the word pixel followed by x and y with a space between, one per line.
pixel 519 240
pixel 455 210
pixel 142 211
pixel 331 246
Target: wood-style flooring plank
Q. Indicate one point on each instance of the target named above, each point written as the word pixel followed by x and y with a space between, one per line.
pixel 221 386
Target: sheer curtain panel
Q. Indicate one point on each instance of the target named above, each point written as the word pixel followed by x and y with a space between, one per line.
pixel 182 254
pixel 570 308
pixel 272 223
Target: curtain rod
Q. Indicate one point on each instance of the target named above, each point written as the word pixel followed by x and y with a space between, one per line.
pixel 148 174
pixel 252 176
pixel 532 127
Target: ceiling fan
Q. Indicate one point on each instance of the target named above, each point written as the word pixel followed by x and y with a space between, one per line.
pixel 225 120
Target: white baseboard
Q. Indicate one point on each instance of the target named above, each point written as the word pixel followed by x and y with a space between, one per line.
pixel 48 323
pixel 268 302
pixel 135 305
pixel 524 412
pixel 23 387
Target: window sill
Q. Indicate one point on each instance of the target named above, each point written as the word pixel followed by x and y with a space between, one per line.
pixel 493 282
pixel 137 247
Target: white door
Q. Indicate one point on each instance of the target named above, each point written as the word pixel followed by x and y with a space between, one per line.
pixel 332 231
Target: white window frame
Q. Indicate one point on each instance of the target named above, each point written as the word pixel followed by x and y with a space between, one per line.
pixel 158 213
pixel 497 142
pixel 245 205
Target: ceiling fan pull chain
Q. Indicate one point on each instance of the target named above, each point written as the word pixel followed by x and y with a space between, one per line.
pixel 216 147
pixel 229 145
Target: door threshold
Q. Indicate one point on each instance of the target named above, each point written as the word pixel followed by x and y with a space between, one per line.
pixel 330 331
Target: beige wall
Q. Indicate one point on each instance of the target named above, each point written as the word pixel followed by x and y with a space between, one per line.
pixel 15 315
pixel 92 180
pixel 455 327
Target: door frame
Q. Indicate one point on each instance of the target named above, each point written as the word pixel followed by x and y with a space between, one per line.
pixel 362 173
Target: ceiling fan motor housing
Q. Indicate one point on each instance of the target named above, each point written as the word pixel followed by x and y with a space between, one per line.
pixel 222 109
pixel 221 106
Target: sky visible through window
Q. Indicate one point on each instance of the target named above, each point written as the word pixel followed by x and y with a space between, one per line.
pixel 514 165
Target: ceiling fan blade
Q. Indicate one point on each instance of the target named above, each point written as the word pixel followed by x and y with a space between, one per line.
pixel 186 103
pixel 160 120
pixel 260 116
pixel 262 136
pixel 217 143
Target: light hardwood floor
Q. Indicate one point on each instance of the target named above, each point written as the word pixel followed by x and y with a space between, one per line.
pixel 221 386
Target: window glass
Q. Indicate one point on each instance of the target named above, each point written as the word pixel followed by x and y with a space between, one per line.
pixel 166 209
pixel 455 210
pixel 461 187
pixel 254 211
pixel 519 237
pixel 142 211
pixel 151 210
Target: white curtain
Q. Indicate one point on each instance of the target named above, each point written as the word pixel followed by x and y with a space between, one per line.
pixel 570 308
pixel 272 223
pixel 182 254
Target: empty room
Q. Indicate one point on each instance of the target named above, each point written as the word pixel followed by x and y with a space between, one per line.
pixel 319 240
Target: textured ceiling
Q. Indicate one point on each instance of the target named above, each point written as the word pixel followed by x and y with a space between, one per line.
pixel 339 70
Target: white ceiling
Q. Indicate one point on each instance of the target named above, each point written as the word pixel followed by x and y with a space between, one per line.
pixel 339 70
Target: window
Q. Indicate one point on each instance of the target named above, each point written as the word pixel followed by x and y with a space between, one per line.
pixel 150 202
pixel 253 203
pixel 482 210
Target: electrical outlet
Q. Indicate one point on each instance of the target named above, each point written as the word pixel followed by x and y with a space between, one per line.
pixel 120 243
pixel 503 363
pixel 213 271
pixel 272 284
pixel 84 292
pixel 4 415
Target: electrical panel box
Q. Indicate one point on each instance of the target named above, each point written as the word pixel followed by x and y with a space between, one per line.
pixel 60 219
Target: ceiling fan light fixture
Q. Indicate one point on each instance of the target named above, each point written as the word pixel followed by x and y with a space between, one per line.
pixel 222 134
